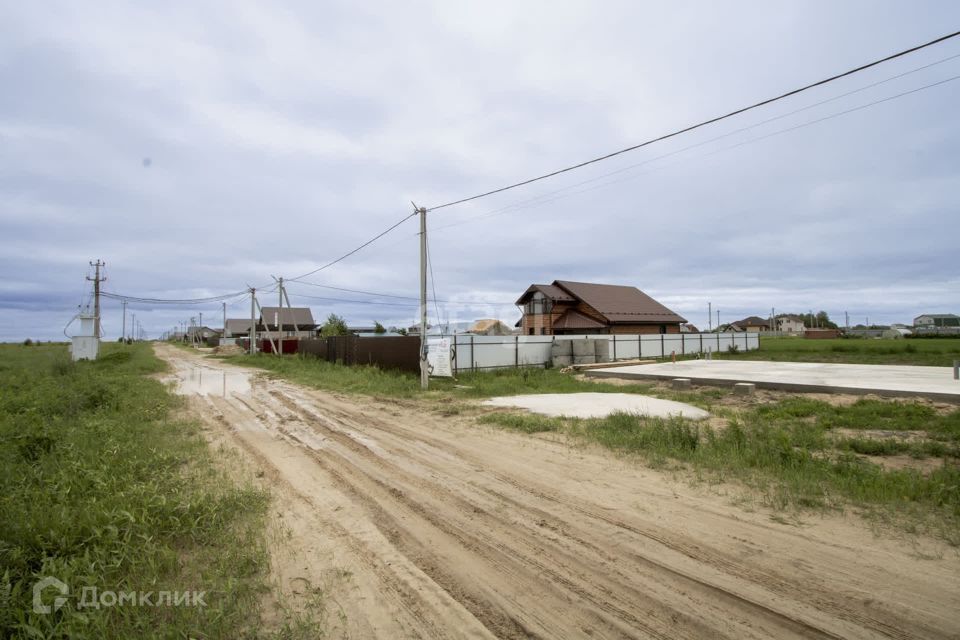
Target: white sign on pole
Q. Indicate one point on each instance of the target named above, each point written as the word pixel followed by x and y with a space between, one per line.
pixel 438 358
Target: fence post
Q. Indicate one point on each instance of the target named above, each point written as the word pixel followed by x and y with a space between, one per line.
pixel 614 347
pixel 683 343
pixel 663 349
pixel 473 355
pixel 639 347
pixel 701 341
pixel 516 352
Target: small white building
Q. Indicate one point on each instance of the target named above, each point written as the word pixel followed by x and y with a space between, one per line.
pixel 85 345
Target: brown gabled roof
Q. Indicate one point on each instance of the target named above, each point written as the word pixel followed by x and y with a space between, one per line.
pixel 235 326
pixel 302 317
pixel 752 321
pixel 552 291
pixel 573 319
pixel 618 303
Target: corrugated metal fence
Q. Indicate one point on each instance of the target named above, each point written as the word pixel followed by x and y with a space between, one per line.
pixel 387 352
pixel 479 353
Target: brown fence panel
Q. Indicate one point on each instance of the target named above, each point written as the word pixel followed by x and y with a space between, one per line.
pixel 290 345
pixel 388 352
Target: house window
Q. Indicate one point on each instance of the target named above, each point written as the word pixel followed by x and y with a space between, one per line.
pixel 539 304
pixel 663 328
pixel 532 331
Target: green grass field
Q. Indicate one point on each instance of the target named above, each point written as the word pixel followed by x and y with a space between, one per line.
pixel 940 352
pixel 104 486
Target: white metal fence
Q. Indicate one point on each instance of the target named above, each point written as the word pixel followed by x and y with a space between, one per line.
pixel 480 353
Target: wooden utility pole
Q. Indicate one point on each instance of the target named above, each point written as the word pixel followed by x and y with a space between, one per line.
pixel 424 373
pixel 96 296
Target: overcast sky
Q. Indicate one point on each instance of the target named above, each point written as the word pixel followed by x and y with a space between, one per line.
pixel 200 147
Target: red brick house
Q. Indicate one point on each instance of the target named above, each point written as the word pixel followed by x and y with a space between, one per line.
pixel 566 307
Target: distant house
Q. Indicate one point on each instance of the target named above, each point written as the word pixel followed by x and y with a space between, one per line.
pixel 275 322
pixel 934 320
pixel 237 328
pixel 566 307
pixel 689 328
pixel 790 324
pixel 489 327
pixel 751 324
pixel 201 333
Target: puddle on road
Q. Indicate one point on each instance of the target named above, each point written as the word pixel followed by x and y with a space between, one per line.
pixel 203 381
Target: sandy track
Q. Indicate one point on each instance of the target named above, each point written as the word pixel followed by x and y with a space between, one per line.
pixel 418 525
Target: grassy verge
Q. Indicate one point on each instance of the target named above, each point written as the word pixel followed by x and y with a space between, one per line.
pixel 394 384
pixel 788 454
pixel 938 353
pixel 103 486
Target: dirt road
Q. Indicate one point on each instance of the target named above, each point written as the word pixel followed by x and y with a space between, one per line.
pixel 418 525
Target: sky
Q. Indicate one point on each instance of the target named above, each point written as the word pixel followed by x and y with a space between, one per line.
pixel 199 148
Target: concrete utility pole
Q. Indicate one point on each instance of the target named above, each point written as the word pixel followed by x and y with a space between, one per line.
pixel 199 333
pixel 96 296
pixel 133 323
pixel 280 316
pixel 709 316
pixel 224 334
pixel 253 321
pixel 124 334
pixel 718 319
pixel 424 373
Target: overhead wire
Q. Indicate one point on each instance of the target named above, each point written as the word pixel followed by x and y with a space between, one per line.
pixel 546 198
pixel 394 296
pixel 433 281
pixel 353 251
pixel 698 125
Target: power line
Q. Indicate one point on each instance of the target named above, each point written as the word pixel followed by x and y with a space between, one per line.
pixel 433 283
pixel 118 296
pixel 388 295
pixel 350 253
pixel 546 197
pixel 699 124
pixel 409 305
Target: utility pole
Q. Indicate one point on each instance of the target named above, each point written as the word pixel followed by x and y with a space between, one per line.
pixel 224 334
pixel 718 319
pixel 199 333
pixel 846 317
pixel 124 334
pixel 253 321
pixel 709 316
pixel 773 318
pixel 280 316
pixel 96 295
pixel 424 374
pixel 133 323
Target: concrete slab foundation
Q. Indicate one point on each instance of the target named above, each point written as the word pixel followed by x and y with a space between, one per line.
pixel 598 405
pixel 885 380
pixel 681 383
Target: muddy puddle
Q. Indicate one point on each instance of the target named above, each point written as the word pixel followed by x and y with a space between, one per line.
pixel 203 381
